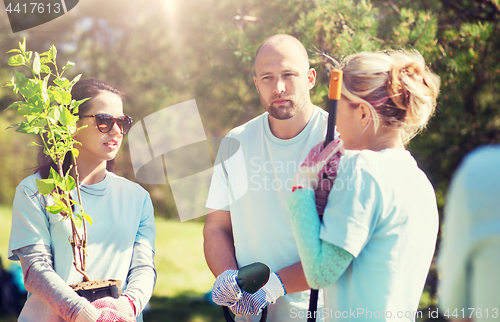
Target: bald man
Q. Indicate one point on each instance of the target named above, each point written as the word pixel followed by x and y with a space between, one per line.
pixel 249 221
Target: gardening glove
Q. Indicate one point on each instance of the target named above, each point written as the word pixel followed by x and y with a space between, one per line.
pixel 226 291
pixel 123 304
pixel 318 162
pixel 253 304
pixel 92 314
pixel 321 194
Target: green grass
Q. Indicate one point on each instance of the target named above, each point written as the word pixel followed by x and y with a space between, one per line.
pixel 183 275
pixel 5 215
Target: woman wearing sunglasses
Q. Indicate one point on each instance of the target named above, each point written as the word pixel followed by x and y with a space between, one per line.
pixel 120 240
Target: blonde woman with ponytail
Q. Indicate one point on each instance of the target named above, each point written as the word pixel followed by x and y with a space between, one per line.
pixel 372 252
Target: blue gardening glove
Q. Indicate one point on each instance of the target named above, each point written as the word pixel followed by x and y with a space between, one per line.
pixel 226 291
pixel 253 304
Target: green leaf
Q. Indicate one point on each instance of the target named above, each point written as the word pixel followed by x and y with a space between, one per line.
pixel 23 109
pixel 34 144
pixel 30 118
pixel 61 82
pixel 55 209
pixel 36 107
pixel 20 78
pixel 17 60
pixel 68 64
pixel 60 95
pixel 45 69
pixel 13 125
pixel 66 116
pixel 55 95
pixel 87 218
pixel 61 183
pixel 42 123
pixel 70 182
pixel 22 45
pixel 77 219
pixel 27 87
pixel 45 84
pixel 66 97
pixel 75 152
pixel 36 64
pixel 57 198
pixel 45 186
pixel 27 128
pixel 14 51
pixel 52 53
pixel 53 174
pixel 11 85
pixel 74 81
pixel 15 105
pixel 55 114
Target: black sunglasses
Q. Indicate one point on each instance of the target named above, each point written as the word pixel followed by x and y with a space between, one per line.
pixel 105 122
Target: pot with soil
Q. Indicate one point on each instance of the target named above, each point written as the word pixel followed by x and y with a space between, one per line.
pixel 94 290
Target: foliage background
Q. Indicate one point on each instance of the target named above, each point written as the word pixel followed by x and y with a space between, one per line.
pixel 163 52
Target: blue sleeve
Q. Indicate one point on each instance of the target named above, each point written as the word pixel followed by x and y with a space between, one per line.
pixel 147 232
pixel 141 277
pixel 353 208
pixel 322 262
pixel 30 225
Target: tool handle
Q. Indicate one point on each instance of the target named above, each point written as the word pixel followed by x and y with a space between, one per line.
pixel 333 99
pixel 229 318
pixel 313 305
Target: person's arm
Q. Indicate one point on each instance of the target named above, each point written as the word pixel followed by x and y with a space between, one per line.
pixel 41 280
pixel 218 242
pixel 323 263
pixel 293 278
pixel 141 277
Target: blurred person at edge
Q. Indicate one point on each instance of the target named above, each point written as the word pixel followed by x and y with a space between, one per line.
pixel 372 252
pixel 255 227
pixel 120 240
pixel 469 256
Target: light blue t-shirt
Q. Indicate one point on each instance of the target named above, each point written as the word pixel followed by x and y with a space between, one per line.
pixel 122 214
pixel 469 257
pixel 253 182
pixel 382 209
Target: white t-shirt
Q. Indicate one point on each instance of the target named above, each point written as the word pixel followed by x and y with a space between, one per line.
pixel 253 182
pixel 122 214
pixel 469 257
pixel 382 209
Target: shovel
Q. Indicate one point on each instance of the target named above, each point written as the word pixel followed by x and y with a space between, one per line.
pixel 251 278
pixel 333 99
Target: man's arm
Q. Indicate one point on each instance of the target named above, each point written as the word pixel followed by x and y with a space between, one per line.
pixel 218 242
pixel 293 278
pixel 220 256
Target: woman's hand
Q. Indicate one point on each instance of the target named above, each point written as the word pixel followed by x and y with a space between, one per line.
pixel 92 314
pixel 123 304
pixel 321 193
pixel 318 162
pixel 108 309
